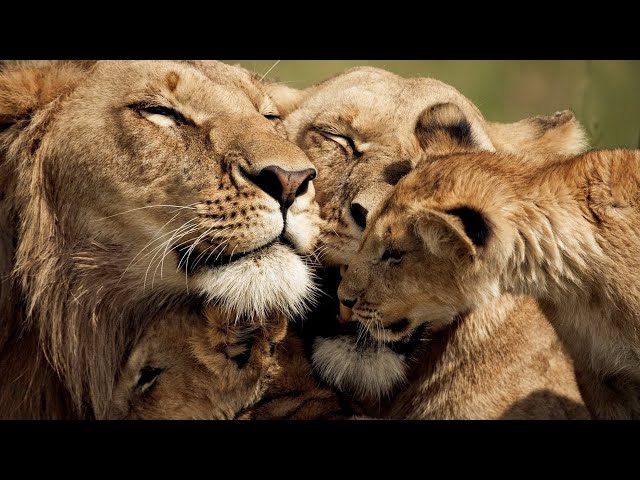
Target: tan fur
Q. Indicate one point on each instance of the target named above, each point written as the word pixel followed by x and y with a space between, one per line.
pixel 208 368
pixel 562 230
pixel 393 122
pixel 97 192
pixel 296 394
pixel 476 369
pixel 537 136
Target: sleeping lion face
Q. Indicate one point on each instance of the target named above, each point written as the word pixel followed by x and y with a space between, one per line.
pixel 365 129
pixel 182 173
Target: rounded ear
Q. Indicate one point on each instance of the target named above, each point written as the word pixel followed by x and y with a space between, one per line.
pixel 287 99
pixel 443 129
pixel 560 134
pixel 455 233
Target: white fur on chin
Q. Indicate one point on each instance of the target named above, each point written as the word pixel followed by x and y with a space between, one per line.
pixel 368 373
pixel 272 280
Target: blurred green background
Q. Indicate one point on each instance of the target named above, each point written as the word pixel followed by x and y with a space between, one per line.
pixel 603 93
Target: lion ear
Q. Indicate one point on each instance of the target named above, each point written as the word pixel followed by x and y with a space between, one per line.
pixel 456 233
pixel 287 99
pixel 443 129
pixel 560 134
pixel 26 87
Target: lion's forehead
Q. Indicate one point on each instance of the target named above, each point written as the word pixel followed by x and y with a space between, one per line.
pixel 216 71
pixel 203 85
pixel 384 110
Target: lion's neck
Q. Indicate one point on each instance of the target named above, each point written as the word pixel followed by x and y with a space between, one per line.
pixel 554 256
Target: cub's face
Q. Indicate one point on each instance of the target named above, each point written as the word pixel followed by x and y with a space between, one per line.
pixel 431 253
pixel 182 171
pixel 394 283
pixel 196 367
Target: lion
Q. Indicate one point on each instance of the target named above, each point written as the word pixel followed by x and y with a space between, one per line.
pixel 460 231
pixel 364 130
pixel 197 366
pixel 132 191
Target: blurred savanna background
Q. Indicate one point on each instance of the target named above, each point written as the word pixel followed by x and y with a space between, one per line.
pixel 604 94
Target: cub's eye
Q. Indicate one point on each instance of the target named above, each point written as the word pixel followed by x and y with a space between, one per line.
pixel 392 256
pixel 163 116
pixel 147 377
pixel 345 142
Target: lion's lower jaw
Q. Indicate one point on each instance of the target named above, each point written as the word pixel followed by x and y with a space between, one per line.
pixel 368 373
pixel 272 281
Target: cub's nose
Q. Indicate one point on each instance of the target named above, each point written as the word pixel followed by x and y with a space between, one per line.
pixel 348 302
pixel 283 185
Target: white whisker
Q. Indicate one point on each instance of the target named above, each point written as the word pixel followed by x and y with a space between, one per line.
pixel 267 72
pixel 179 207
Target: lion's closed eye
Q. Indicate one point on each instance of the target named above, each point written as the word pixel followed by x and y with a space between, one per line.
pixel 344 141
pixel 276 121
pixel 160 115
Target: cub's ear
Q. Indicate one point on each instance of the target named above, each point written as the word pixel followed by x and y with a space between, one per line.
pixel 287 99
pixel 457 232
pixel 26 87
pixel 557 134
pixel 443 129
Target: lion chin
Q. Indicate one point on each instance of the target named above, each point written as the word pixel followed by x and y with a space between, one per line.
pixel 367 373
pixel 273 279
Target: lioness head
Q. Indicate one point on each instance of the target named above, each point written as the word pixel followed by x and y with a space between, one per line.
pixel 435 248
pixel 129 186
pixel 364 130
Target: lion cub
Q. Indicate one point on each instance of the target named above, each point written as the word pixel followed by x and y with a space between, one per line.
pixel 197 366
pixel 201 366
pixel 459 231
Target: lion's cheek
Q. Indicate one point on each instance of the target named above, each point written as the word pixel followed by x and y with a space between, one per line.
pixel 302 231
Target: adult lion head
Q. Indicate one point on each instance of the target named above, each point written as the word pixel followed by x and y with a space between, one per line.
pixel 365 129
pixel 129 188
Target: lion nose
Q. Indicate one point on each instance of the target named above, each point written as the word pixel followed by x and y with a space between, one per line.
pixel 348 302
pixel 283 185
